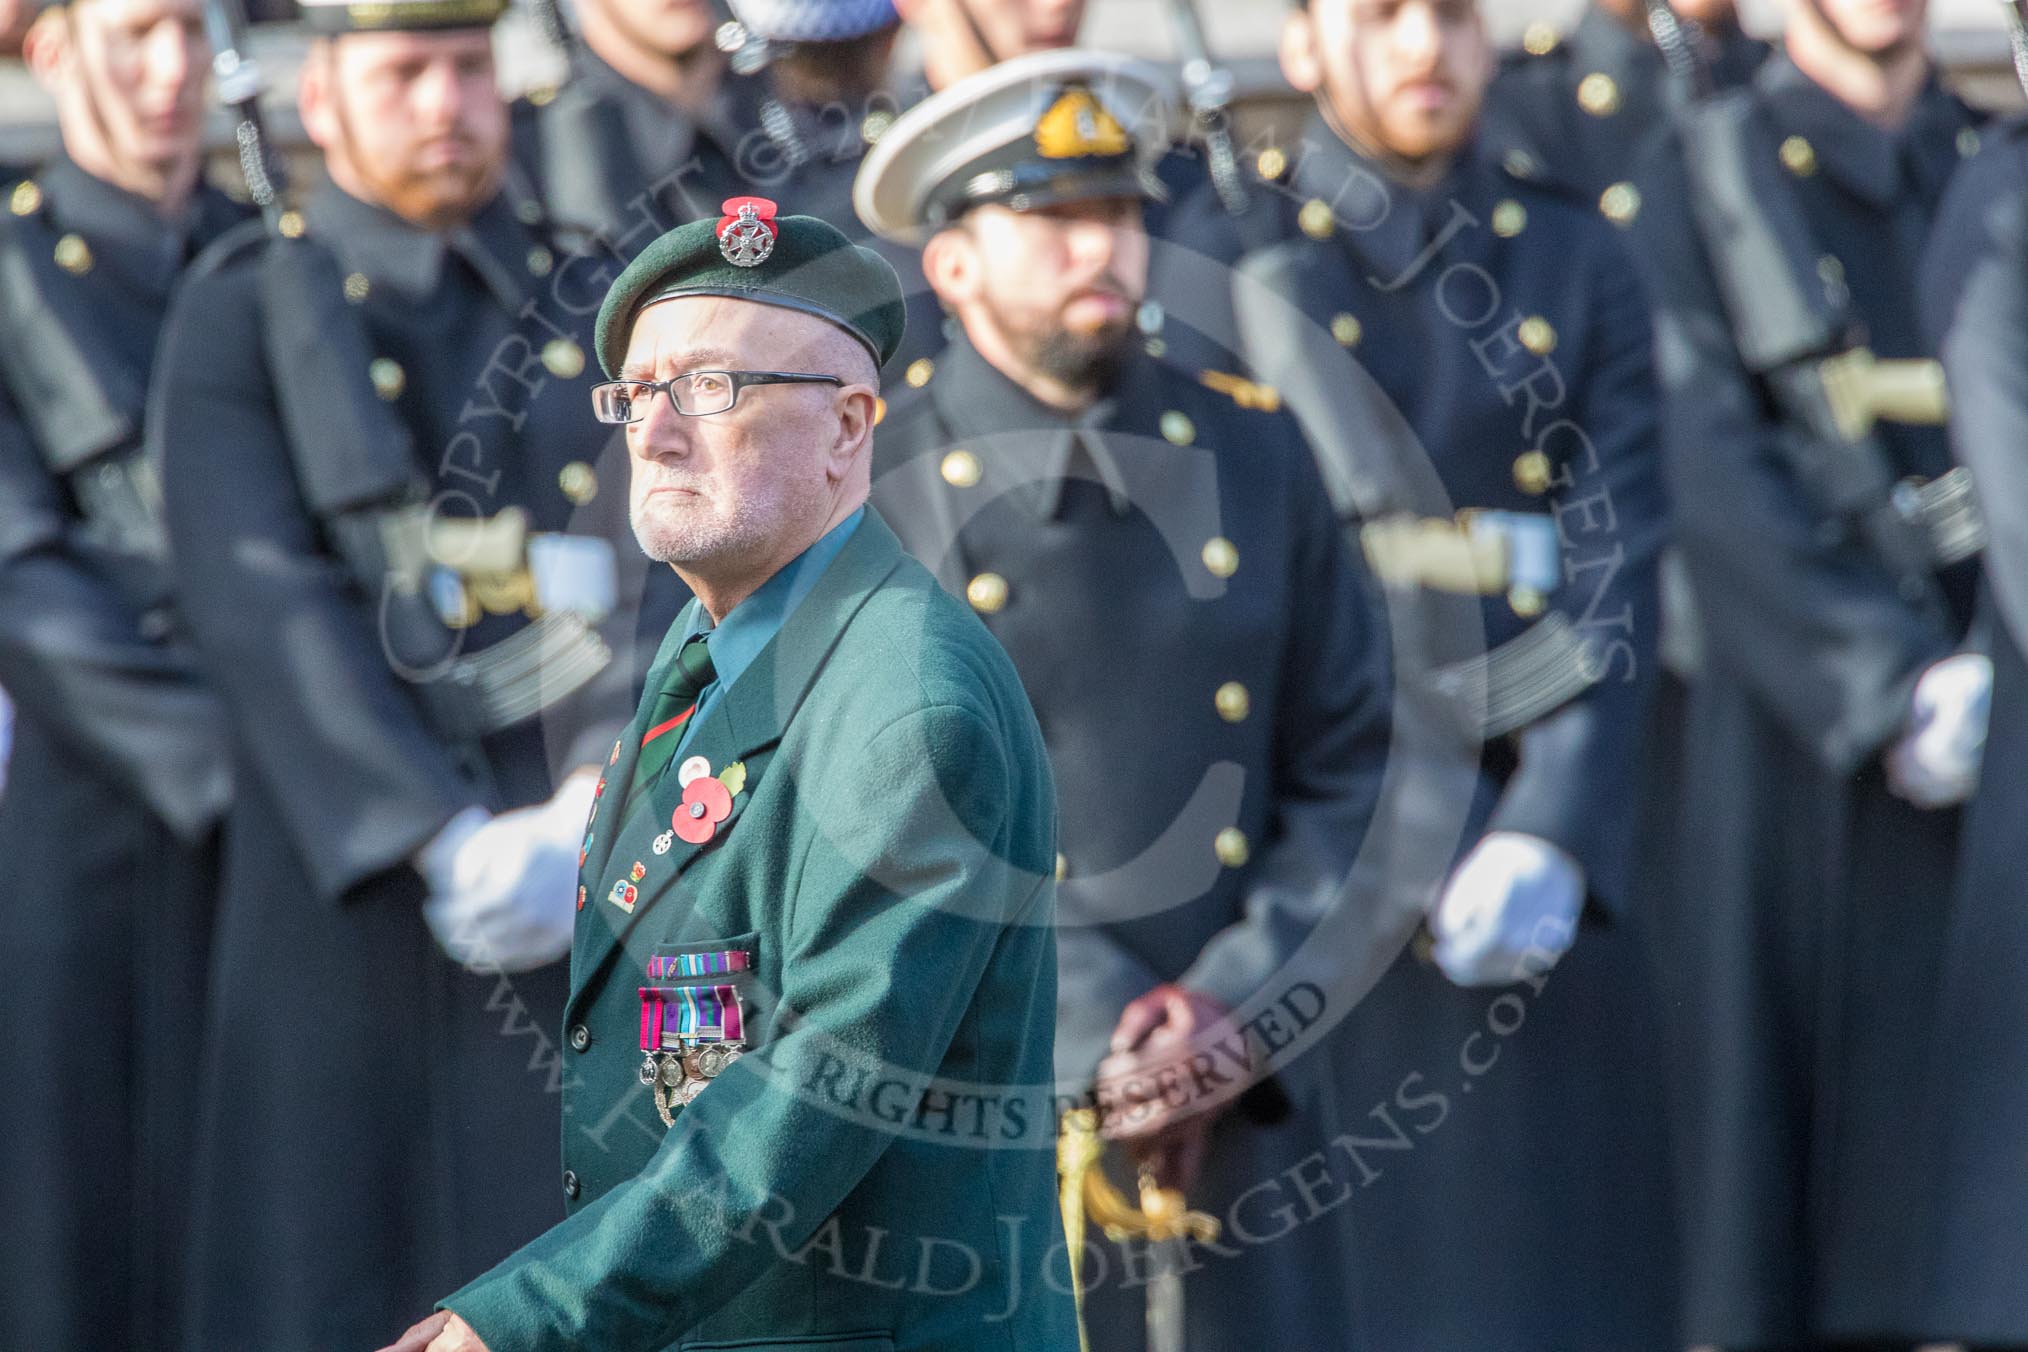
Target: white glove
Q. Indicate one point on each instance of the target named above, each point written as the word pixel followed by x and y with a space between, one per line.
pixel 1509 910
pixel 1936 762
pixel 503 888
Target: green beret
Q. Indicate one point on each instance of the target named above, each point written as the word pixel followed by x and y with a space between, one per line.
pixel 797 262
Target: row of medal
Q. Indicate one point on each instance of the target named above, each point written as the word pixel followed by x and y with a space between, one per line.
pixel 692 1032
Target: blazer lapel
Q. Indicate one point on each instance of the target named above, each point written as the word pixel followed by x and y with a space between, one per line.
pixel 611 809
pixel 743 727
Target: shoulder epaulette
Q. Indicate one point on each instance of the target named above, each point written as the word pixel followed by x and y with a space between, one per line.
pixel 1246 393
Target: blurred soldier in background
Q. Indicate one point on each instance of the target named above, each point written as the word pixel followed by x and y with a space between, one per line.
pixel 1585 108
pixel 360 414
pixel 1156 552
pixel 1836 724
pixel 1975 295
pixel 120 770
pixel 645 133
pixel 1584 105
pixel 828 98
pixel 963 37
pixel 1502 368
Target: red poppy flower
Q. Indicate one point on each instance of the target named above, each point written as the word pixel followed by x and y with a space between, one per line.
pixel 706 803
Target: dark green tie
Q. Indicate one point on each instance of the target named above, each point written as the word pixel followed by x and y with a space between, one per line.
pixel 675 703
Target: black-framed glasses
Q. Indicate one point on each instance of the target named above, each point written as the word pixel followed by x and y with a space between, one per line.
pixel 695 394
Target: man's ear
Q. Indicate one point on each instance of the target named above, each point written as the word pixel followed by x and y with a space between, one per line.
pixel 858 407
pixel 46 48
pixel 1302 64
pixel 951 265
pixel 314 94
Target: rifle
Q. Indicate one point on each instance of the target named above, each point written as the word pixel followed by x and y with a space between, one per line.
pixel 1789 311
pixel 1687 71
pixel 1208 87
pixel 355 461
pixel 2017 38
pixel 745 50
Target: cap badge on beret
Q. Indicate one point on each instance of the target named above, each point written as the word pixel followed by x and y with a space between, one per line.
pixel 1076 125
pixel 747 231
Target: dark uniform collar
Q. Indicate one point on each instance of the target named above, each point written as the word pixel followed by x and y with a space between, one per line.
pixel 409 260
pixel 979 401
pixel 1385 221
pixel 1602 43
pixel 125 231
pixel 652 119
pixel 1874 164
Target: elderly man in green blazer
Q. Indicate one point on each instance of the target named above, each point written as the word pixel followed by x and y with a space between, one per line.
pixel 806 1093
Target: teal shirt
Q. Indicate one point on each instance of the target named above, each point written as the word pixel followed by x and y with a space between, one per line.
pixel 753 623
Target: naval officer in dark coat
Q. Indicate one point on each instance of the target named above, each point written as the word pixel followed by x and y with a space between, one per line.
pixel 1830 727
pixel 385 509
pixel 648 128
pixel 1154 548
pixel 120 770
pixel 1467 347
pixel 1975 300
pixel 1582 104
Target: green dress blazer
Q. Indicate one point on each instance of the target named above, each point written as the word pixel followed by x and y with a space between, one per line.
pixel 877 1170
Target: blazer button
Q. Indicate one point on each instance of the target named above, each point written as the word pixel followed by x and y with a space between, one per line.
pixel 571 1187
pixel 580 1037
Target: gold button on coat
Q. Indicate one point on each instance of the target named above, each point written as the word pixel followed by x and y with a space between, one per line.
pixel 1232 702
pixel 73 255
pixel 988 593
pixel 1221 556
pixel 1598 95
pixel 389 380
pixel 1620 203
pixel 961 469
pixel 563 358
pixel 579 482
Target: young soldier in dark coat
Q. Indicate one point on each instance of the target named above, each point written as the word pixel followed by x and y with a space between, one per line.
pixel 359 415
pixel 120 770
pixel 648 129
pixel 1975 297
pixel 1154 549
pixel 1826 732
pixel 1584 105
pixel 1468 351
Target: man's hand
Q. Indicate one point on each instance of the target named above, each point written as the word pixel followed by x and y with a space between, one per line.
pixel 1936 762
pixel 502 889
pixel 441 1332
pixel 1162 1122
pixel 1515 898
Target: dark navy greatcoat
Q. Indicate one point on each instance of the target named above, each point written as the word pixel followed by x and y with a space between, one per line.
pixel 1803 999
pixel 120 774
pixel 379 1124
pixel 1975 295
pixel 1211 680
pixel 1480 343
